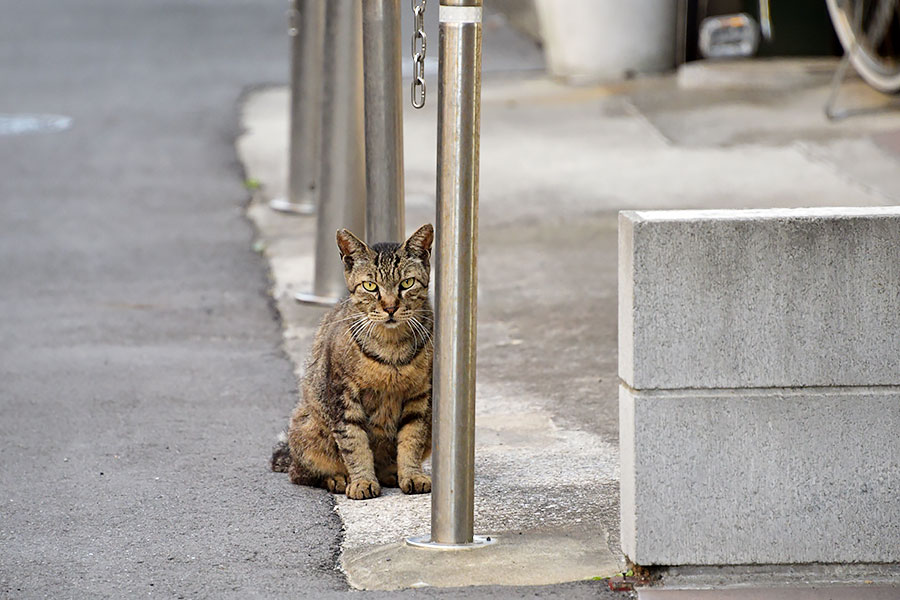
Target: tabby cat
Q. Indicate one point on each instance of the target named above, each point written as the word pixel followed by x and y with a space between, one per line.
pixel 364 419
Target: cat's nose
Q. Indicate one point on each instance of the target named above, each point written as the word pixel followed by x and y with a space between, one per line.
pixel 390 309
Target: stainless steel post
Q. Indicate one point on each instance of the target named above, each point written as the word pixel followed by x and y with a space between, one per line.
pixel 307 31
pixel 342 181
pixel 459 102
pixel 384 120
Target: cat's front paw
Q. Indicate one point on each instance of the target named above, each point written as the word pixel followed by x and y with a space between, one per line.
pixel 362 489
pixel 416 483
pixel 336 484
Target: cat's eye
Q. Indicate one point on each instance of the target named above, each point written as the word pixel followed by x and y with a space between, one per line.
pixel 407 283
pixel 369 286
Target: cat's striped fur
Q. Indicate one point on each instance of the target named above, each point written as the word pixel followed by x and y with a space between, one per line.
pixel 364 419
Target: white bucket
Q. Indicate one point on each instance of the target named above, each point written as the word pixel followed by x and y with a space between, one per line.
pixel 594 40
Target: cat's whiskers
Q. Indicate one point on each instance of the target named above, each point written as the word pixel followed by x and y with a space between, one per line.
pixel 355 331
pixel 425 329
pixel 421 328
pixel 358 326
pixel 355 315
pixel 421 322
pixel 353 327
pixel 417 334
pixel 369 331
pixel 428 334
pixel 413 330
pixel 427 315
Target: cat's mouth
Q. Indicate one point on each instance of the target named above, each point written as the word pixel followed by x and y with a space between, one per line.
pixel 387 320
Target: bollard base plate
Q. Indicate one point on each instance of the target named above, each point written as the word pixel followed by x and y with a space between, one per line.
pixel 424 541
pixel 286 206
pixel 305 298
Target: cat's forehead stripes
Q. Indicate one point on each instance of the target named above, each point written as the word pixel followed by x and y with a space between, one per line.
pixel 386 261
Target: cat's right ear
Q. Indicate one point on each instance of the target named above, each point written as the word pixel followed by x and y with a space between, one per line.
pixel 419 243
pixel 352 248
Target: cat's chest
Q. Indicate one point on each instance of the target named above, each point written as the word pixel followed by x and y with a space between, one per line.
pixel 385 388
pixel 389 380
pixel 382 409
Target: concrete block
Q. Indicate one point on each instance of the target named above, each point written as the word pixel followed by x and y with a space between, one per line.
pixel 712 477
pixel 759 298
pixel 759 353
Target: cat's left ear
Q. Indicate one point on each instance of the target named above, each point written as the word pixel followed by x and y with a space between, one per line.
pixel 419 244
pixel 352 248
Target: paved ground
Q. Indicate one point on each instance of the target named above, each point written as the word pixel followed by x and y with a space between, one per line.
pixel 140 365
pixel 556 165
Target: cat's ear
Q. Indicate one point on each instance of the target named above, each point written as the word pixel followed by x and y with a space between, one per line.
pixel 419 244
pixel 352 248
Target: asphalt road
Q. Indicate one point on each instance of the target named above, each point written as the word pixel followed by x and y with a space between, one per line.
pixel 141 373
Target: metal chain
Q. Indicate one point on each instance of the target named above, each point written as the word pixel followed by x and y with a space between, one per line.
pixel 418 54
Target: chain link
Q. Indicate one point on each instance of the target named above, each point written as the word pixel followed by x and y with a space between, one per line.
pixel 418 54
pixel 293 15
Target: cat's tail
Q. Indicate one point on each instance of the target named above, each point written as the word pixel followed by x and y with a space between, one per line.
pixel 281 454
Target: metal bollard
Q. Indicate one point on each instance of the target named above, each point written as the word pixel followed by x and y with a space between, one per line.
pixel 384 120
pixel 341 175
pixel 459 102
pixel 307 31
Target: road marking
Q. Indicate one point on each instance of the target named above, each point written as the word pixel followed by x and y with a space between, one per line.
pixel 20 124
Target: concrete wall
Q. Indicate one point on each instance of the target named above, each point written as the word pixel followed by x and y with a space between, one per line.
pixel 759 357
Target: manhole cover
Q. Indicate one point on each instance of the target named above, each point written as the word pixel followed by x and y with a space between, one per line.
pixel 22 124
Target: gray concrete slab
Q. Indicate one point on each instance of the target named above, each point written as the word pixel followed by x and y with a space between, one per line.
pixel 794 321
pixel 767 298
pixel 778 582
pixel 831 592
pixel 514 558
pixel 731 477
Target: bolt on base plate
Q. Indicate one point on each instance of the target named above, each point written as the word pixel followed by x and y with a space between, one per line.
pixel 286 206
pixel 305 298
pixel 424 541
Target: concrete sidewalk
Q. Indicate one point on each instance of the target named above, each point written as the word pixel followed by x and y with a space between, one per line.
pixel 557 163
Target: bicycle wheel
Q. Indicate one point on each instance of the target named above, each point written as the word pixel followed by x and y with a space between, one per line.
pixel 867 30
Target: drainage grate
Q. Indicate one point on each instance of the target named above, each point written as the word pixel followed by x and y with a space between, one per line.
pixel 20 124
